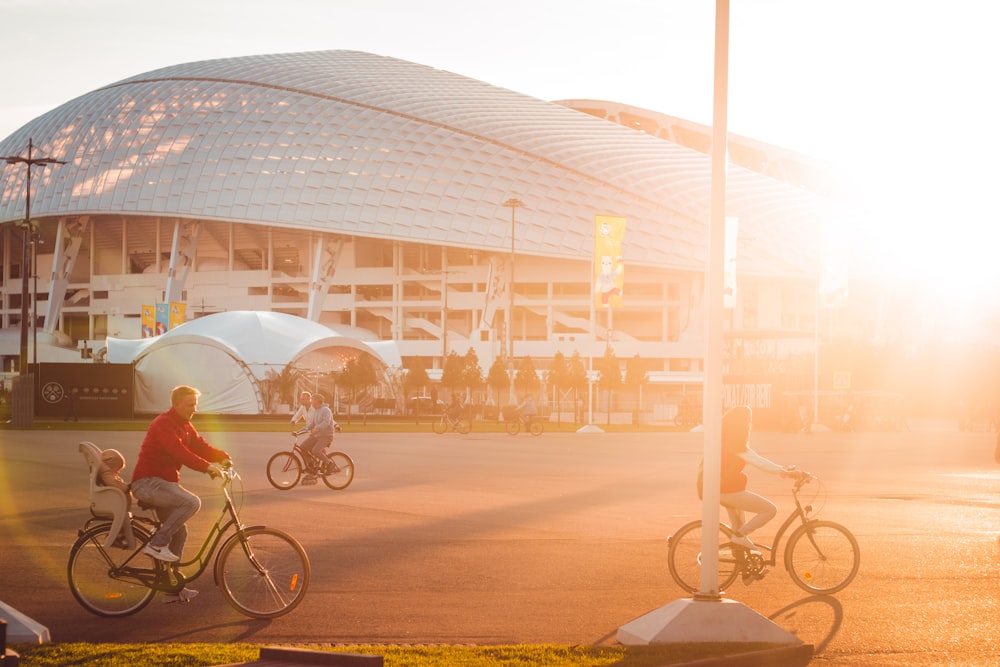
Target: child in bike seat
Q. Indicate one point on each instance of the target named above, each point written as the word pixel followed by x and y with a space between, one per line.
pixel 736 454
pixel 109 473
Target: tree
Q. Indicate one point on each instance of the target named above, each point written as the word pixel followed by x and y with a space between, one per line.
pixel 453 373
pixel 635 377
pixel 472 372
pixel 610 377
pixel 578 381
pixel 498 380
pixel 283 382
pixel 526 377
pixel 358 376
pixel 415 380
pixel 559 379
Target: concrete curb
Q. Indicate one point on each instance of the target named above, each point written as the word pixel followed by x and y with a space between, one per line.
pixel 21 629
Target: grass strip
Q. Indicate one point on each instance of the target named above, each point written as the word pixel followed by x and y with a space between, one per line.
pixel 521 655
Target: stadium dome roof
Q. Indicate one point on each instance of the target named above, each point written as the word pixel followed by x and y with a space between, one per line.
pixel 363 145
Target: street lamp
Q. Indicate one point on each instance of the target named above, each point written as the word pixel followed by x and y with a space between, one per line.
pixel 29 233
pixel 513 204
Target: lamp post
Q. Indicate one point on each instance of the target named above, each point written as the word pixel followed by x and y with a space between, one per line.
pixel 513 204
pixel 23 396
pixel 29 232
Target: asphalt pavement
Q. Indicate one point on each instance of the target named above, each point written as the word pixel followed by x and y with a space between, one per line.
pixel 493 539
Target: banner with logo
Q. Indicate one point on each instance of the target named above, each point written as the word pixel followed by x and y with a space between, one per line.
pixel 148 321
pixel 178 312
pixel 609 261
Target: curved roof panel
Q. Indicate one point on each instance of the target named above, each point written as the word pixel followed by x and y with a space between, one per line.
pixel 365 145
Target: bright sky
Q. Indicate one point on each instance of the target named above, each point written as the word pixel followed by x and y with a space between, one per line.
pixel 901 93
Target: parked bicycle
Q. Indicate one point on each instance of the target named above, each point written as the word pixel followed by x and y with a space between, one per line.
pixel 285 469
pixel 262 572
pixel 457 424
pixel 531 424
pixel 820 556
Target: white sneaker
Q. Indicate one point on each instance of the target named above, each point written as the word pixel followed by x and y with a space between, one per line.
pixel 741 540
pixel 160 553
pixel 186 595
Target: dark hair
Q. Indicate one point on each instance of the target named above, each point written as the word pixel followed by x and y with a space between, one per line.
pixel 736 428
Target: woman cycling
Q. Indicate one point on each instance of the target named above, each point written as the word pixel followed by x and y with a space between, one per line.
pixel 733 494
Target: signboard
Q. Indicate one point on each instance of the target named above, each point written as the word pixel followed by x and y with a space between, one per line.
pixel 74 391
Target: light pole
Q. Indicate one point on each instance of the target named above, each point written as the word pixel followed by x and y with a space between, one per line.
pixel 29 232
pixel 513 204
pixel 23 396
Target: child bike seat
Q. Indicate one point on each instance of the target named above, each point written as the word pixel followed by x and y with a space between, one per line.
pixel 108 501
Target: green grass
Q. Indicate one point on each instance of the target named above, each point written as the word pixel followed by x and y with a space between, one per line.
pixel 205 655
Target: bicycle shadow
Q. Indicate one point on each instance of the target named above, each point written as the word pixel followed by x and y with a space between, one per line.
pixel 250 628
pixel 809 616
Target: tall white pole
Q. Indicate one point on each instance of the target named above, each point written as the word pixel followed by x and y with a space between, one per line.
pixel 715 313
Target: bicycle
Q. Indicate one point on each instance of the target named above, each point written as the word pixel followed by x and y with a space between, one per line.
pixel 284 469
pixel 262 572
pixel 459 425
pixel 529 424
pixel 820 556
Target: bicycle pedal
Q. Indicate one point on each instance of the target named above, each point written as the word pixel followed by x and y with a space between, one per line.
pixel 308 481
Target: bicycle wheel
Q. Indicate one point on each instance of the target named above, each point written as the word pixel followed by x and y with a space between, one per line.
pixel 462 426
pixel 343 471
pixel 513 427
pixel 264 573
pixel 536 427
pixel 440 425
pixel 822 557
pixel 685 557
pixel 92 573
pixel 284 470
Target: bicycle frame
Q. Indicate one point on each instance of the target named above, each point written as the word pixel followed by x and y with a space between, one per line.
pixel 800 512
pixel 166 577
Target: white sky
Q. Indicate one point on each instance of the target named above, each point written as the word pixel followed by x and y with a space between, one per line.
pixel 904 93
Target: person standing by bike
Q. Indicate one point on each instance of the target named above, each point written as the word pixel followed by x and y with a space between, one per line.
pixel 172 442
pixel 320 427
pixel 734 496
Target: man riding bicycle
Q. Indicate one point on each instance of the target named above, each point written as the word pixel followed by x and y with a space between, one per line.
pixel 320 427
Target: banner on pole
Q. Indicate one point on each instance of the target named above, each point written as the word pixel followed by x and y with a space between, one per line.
pixel 609 261
pixel 148 322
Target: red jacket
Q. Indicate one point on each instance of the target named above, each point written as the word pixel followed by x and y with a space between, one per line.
pixel 172 442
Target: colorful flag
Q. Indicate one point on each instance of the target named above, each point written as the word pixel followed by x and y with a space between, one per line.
pixel 148 322
pixel 162 318
pixel 609 261
pixel 178 312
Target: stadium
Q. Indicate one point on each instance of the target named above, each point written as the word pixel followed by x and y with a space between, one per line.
pixel 394 202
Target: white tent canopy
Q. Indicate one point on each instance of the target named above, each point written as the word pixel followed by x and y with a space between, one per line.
pixel 227 355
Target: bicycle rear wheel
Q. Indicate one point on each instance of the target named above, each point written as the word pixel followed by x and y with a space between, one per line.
pixel 440 425
pixel 342 474
pixel 97 578
pixel 822 557
pixel 264 573
pixel 284 470
pixel 685 557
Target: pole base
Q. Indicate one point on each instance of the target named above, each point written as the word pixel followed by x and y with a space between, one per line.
pixel 690 621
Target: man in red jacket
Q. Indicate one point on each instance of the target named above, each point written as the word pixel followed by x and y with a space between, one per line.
pixel 172 442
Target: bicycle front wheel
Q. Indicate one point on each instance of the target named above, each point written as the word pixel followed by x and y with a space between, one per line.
pixel 440 425
pixel 685 557
pixel 536 427
pixel 822 557
pixel 264 573
pixel 463 426
pixel 513 427
pixel 284 470
pixel 342 474
pixel 99 579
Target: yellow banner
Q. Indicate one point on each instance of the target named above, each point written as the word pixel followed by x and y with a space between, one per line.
pixel 609 262
pixel 178 314
pixel 148 321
